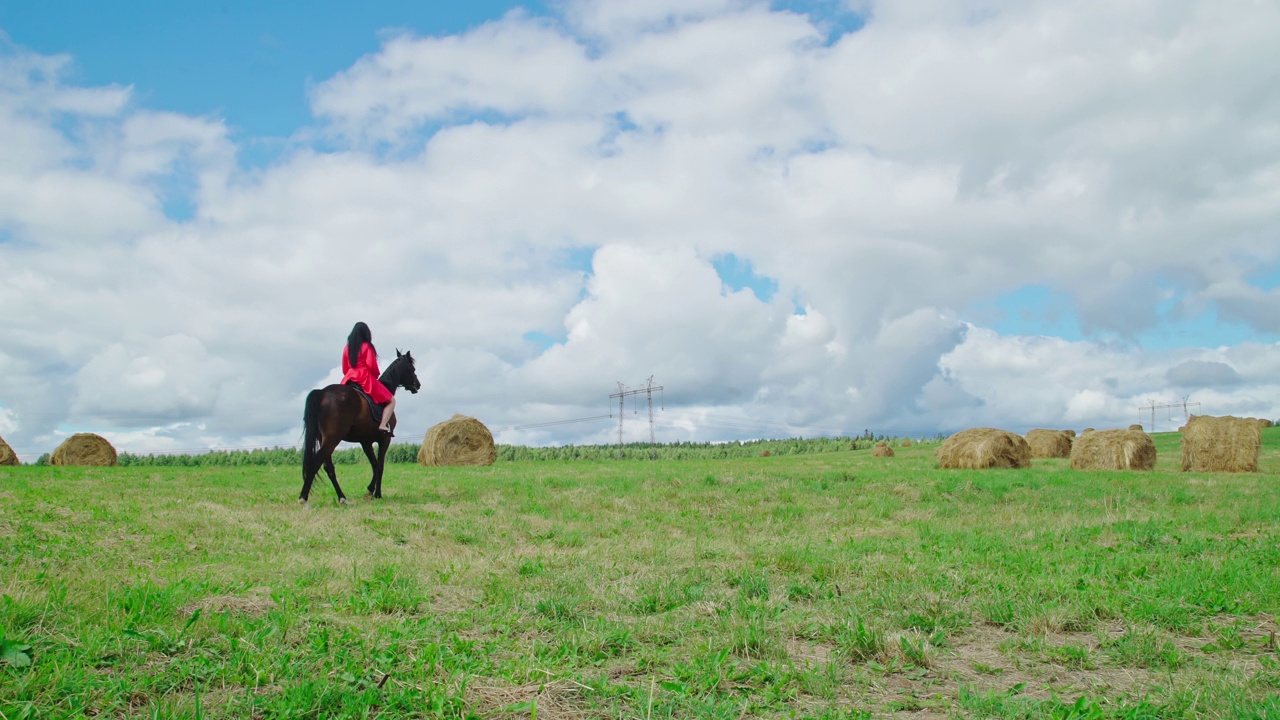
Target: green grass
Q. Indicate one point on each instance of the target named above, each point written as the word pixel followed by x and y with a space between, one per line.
pixel 827 585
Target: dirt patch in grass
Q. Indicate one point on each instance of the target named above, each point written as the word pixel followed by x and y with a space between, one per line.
pixel 802 651
pixel 976 661
pixel 1236 643
pixel 553 699
pixel 121 538
pixel 914 515
pixel 257 602
pixel 1042 666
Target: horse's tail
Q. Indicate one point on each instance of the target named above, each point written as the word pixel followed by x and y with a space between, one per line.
pixel 311 433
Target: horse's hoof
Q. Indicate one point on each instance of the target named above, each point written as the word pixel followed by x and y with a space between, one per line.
pixel 368 495
pixel 303 502
pixel 343 501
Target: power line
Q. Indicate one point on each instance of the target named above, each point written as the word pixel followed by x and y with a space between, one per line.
pixel 622 394
pixel 558 422
pixel 1151 407
pixel 693 414
pixel 703 420
pixel 727 422
pixel 758 432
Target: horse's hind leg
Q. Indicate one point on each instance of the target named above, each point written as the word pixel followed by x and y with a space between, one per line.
pixel 308 477
pixel 373 461
pixel 333 478
pixel 383 446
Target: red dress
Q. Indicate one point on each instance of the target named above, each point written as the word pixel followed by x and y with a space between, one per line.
pixel 365 373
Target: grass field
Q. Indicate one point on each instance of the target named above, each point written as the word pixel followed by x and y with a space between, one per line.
pixel 813 586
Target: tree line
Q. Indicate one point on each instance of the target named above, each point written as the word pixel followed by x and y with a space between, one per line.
pixel 408 453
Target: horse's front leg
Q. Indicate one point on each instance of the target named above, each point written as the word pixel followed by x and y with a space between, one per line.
pixel 373 462
pixel 333 477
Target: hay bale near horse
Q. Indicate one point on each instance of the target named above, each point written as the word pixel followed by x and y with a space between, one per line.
pixel 1221 444
pixel 980 448
pixel 7 455
pixel 1138 427
pixel 460 440
pixel 906 442
pixel 1070 433
pixel 1264 423
pixel 882 449
pixel 84 449
pixel 1113 450
pixel 1049 443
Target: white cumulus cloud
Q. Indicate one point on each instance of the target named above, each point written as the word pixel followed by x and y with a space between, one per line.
pixel 534 208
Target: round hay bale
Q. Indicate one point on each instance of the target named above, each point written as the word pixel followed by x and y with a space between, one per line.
pixel 1070 433
pixel 1049 443
pixel 765 453
pixel 7 455
pixel 1221 444
pixel 1264 423
pixel 460 440
pixel 1113 450
pixel 1087 430
pixel 882 449
pixel 907 442
pixel 84 449
pixel 978 448
pixel 1138 427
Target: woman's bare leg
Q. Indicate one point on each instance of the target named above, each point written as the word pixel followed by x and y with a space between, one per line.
pixel 387 412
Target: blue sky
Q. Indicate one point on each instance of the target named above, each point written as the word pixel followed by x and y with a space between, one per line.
pixel 907 218
pixel 247 62
pixel 251 63
pixel 1038 310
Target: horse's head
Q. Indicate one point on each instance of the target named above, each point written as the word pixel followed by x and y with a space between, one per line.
pixel 407 375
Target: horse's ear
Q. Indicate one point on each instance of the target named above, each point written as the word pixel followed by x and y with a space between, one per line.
pixel 397 352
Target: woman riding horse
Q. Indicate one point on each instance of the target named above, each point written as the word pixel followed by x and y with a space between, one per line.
pixel 339 413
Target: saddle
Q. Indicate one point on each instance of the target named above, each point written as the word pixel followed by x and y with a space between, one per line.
pixel 374 408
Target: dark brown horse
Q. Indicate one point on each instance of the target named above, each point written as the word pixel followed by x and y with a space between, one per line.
pixel 340 413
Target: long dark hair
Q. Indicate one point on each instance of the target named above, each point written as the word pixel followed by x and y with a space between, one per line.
pixel 359 335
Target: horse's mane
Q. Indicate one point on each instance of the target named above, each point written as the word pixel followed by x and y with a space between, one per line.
pixel 394 365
